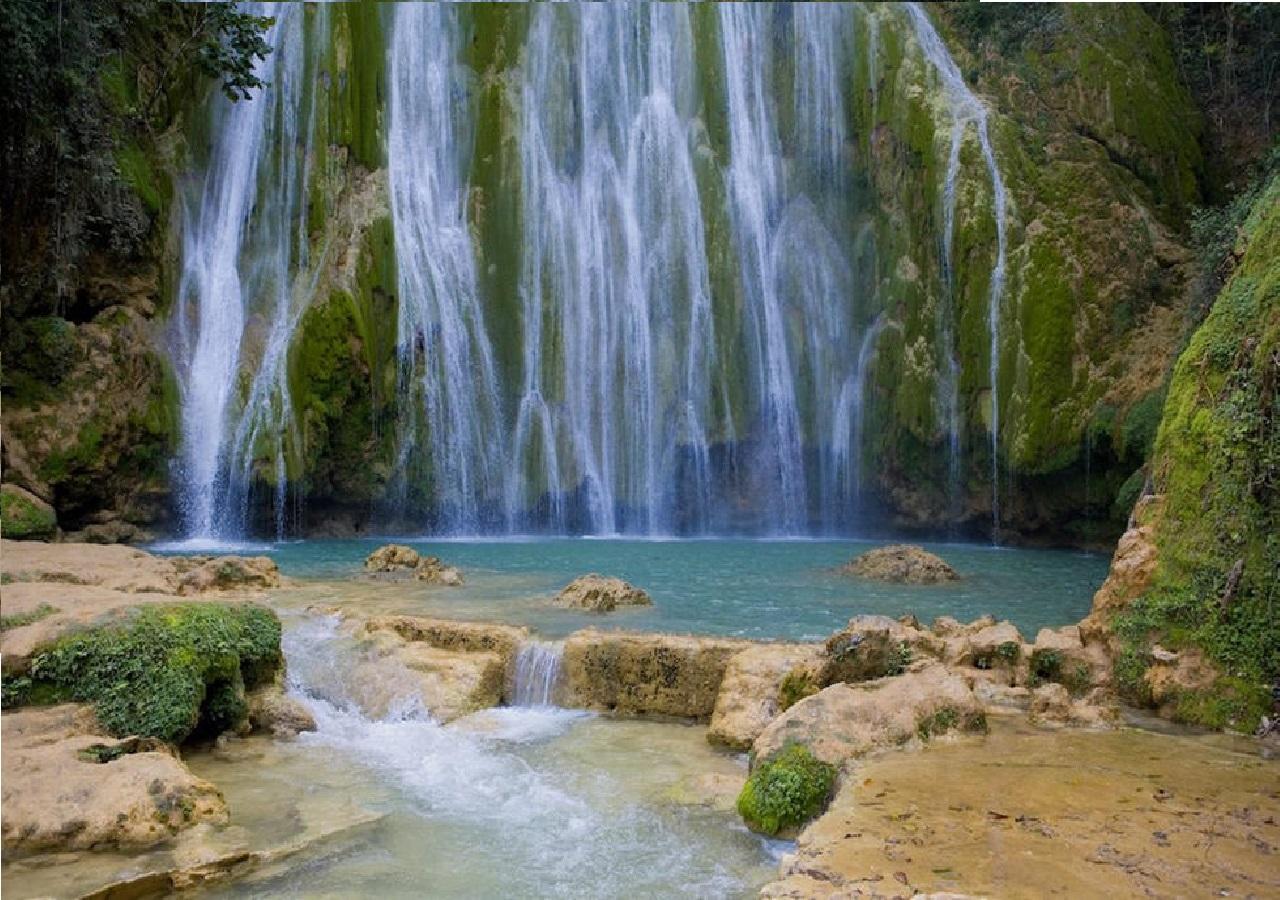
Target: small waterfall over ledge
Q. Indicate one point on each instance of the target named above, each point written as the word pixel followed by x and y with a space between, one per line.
pixel 537 673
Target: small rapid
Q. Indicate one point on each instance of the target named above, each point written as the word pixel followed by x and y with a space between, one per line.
pixel 529 800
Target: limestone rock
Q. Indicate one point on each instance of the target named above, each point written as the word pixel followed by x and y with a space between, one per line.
pixel 992 646
pixel 874 646
pixel 69 787
pixel 391 558
pixel 1051 705
pixel 452 668
pixel 646 674
pixel 397 559
pixel 1061 655
pixel 844 721
pixel 274 711
pixel 201 574
pixel 599 593
pixel 24 516
pixel 114 567
pixel 901 564
pixel 748 698
pixel 1132 567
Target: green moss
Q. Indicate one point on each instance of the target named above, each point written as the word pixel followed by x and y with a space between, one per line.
pixel 20 519
pixel 142 175
pixel 785 791
pixel 796 685
pixel 18 620
pixel 164 670
pixel 1216 465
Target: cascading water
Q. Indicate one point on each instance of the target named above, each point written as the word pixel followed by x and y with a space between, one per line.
pixel 537 673
pixel 694 311
pixel 966 109
pixel 447 370
pixel 245 244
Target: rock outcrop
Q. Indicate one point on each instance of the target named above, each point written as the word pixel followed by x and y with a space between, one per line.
pixel 901 564
pixel 201 574
pixel 599 593
pixel 451 668
pixel 871 647
pixel 749 697
pixel 70 786
pixel 646 674
pixel 399 560
pixel 845 721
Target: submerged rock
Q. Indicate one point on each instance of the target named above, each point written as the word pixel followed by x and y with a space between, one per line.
pixel 68 786
pixel 844 721
pixel 397 559
pixel 901 564
pixel 271 710
pixel 599 593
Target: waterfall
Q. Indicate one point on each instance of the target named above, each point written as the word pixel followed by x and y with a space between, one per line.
pixel 614 289
pixel 966 109
pixel 244 231
pixel 537 673
pixel 693 308
pixel 447 373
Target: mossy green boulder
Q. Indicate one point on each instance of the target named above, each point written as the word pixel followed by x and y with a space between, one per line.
pixel 786 791
pixel 24 516
pixel 162 671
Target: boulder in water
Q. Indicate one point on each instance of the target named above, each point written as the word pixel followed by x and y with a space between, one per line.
pixel 397 559
pixel 901 564
pixel 599 593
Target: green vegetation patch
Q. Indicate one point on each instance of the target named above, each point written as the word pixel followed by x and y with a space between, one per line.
pixel 21 519
pixel 948 718
pixel 17 620
pixel 786 791
pixel 164 670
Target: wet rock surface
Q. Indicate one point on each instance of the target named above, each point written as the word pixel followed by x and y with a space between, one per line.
pixel 1023 813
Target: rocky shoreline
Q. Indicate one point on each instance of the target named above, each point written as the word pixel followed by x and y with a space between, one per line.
pixel 878 690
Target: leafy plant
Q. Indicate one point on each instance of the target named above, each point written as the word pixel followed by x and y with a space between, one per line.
pixel 786 791
pixel 166 669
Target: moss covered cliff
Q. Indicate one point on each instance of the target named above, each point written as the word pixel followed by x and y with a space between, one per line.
pixel 1198 635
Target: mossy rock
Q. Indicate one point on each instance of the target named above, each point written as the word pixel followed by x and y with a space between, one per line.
pixel 24 516
pixel 786 791
pixel 162 671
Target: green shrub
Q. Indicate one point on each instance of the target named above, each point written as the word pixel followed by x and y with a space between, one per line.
pixel 166 669
pixel 786 791
pixel 20 519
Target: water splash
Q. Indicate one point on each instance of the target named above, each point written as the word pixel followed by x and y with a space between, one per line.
pixel 966 109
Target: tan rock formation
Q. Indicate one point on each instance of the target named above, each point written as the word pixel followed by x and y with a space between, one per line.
pixel 1052 705
pixel 1132 567
pixel 201 574
pixel 273 711
pixel 901 564
pixel 599 593
pixel 874 646
pixel 844 721
pixel 646 674
pixel 59 796
pixel 397 559
pixel 748 699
